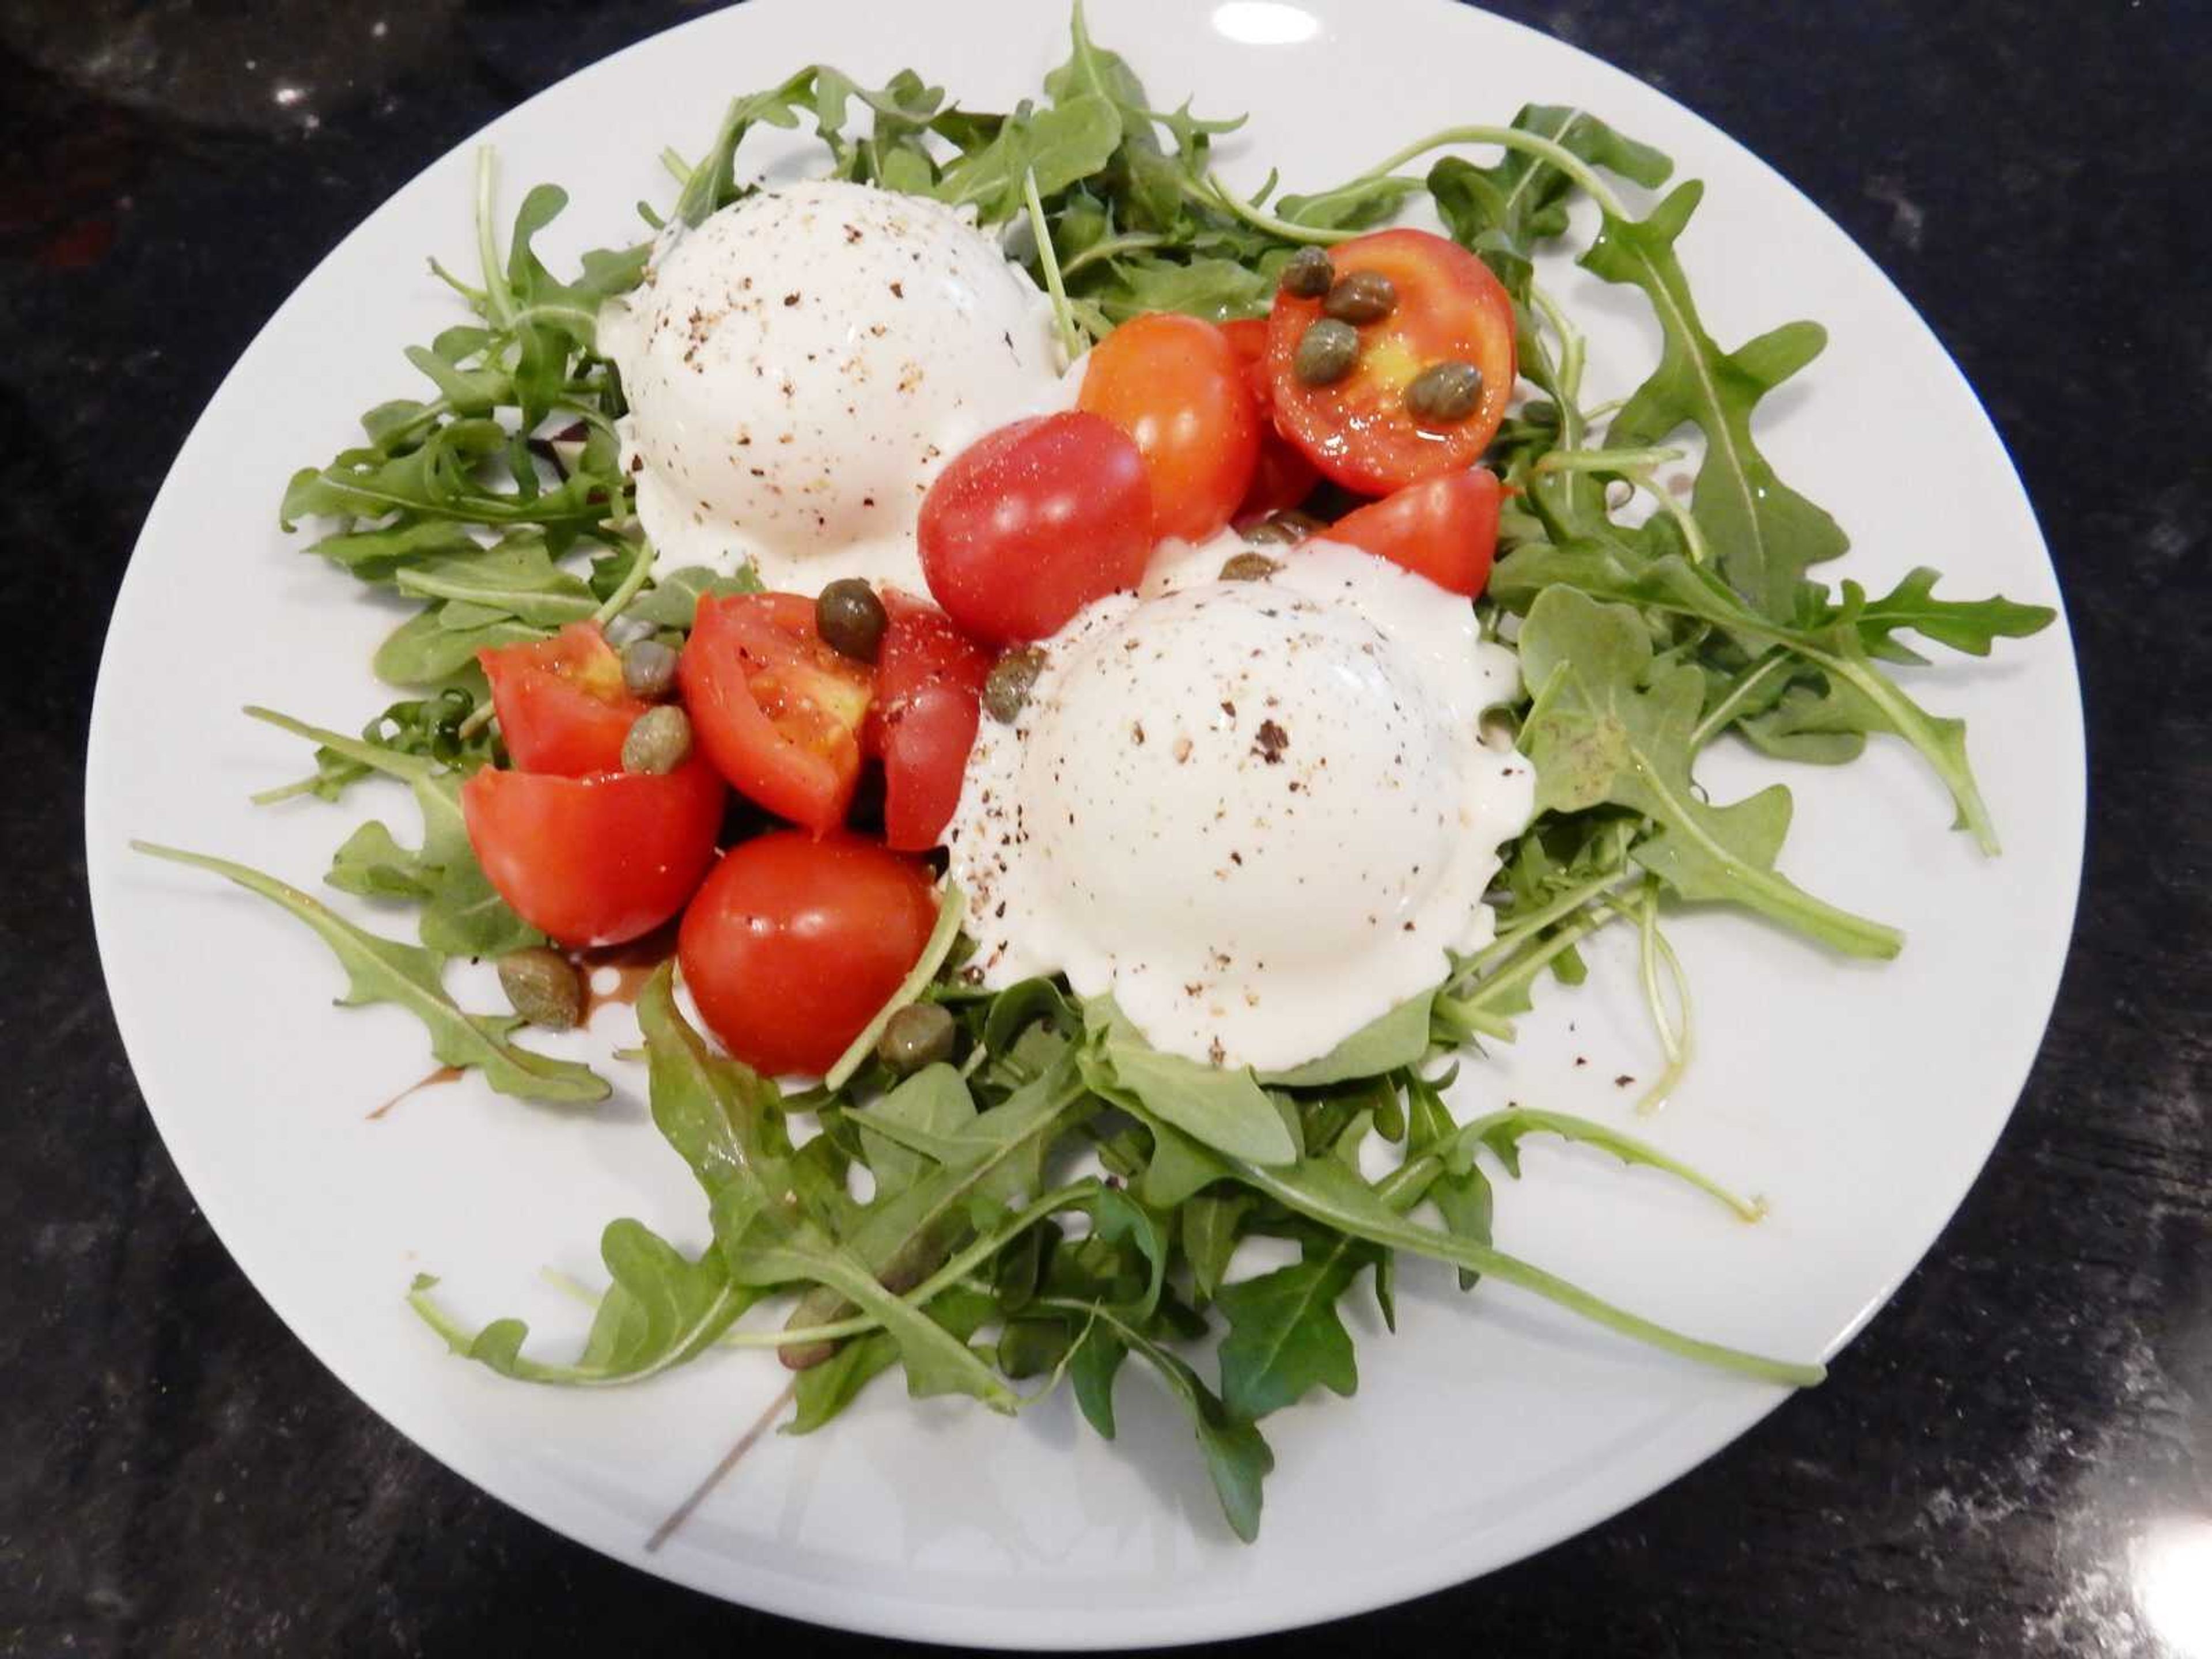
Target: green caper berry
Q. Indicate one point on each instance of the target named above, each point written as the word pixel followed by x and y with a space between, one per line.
pixel 1007 688
pixel 919 1035
pixel 1446 392
pixel 648 668
pixel 851 619
pixel 1248 568
pixel 1285 529
pixel 543 986
pixel 1364 297
pixel 1325 353
pixel 1308 274
pixel 659 740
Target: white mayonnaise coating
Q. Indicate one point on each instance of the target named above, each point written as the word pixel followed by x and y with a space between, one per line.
pixel 801 365
pixel 1257 813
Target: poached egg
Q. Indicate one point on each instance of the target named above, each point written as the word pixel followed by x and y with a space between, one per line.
pixel 801 364
pixel 1257 813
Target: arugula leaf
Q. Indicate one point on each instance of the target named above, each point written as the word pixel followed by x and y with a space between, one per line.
pixel 1613 725
pixel 434 645
pixel 1286 1337
pixel 375 556
pixel 516 577
pixel 1501 212
pixel 1766 534
pixel 410 977
pixel 661 1310
pixel 1399 1037
pixel 1210 1225
pixel 672 601
pixel 463 915
pixel 822 1391
pixel 1222 1108
pixel 1971 626
pixel 1059 145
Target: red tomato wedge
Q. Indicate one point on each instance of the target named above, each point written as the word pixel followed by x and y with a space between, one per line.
pixel 595 860
pixel 1030 523
pixel 929 686
pixel 778 712
pixel 1176 387
pixel 561 704
pixel 1282 476
pixel 1445 529
pixel 1358 430
pixel 794 944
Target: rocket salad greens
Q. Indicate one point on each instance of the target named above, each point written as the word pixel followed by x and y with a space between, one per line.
pixel 1055 1196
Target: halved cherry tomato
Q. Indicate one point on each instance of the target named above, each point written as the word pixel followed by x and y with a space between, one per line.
pixel 561 704
pixel 1358 429
pixel 595 860
pixel 1175 385
pixel 794 944
pixel 1445 529
pixel 1282 476
pixel 777 711
pixel 1031 522
pixel 929 683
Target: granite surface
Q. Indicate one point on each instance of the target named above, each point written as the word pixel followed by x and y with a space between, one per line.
pixel 1999 1464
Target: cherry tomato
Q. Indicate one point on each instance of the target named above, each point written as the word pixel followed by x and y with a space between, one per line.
pixel 1031 522
pixel 1445 529
pixel 1282 476
pixel 1358 429
pixel 561 704
pixel 929 683
pixel 794 944
pixel 777 711
pixel 1175 385
pixel 594 861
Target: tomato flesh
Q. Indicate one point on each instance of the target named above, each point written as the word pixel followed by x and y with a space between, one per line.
pixel 929 686
pixel 1175 385
pixel 1282 476
pixel 1445 529
pixel 792 945
pixel 1032 522
pixel 1358 430
pixel 594 861
pixel 776 710
pixel 561 702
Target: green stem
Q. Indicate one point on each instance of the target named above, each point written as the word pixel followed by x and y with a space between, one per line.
pixel 1215 194
pixel 498 299
pixel 618 601
pixel 951 907
pixel 1528 143
pixel 1739 693
pixel 1070 341
pixel 1135 241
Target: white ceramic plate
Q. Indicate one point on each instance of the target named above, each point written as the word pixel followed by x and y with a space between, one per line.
pixel 1861 1101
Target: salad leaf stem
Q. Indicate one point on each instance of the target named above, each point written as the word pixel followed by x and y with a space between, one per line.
pixel 951 909
pixel 1746 686
pixel 1215 194
pixel 498 297
pixel 633 583
pixel 1529 143
pixel 1071 339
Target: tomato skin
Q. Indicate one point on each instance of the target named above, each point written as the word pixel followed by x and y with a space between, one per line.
pixel 1282 476
pixel 561 702
pixel 1032 522
pixel 777 711
pixel 1175 384
pixel 1445 529
pixel 1358 430
pixel 792 945
pixel 929 686
pixel 596 861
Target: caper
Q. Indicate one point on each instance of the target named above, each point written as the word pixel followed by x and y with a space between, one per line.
pixel 851 619
pixel 1248 568
pixel 543 986
pixel 1285 529
pixel 648 668
pixel 1446 392
pixel 1007 688
pixel 1308 274
pixel 1325 353
pixel 919 1035
pixel 1363 296
pixel 659 740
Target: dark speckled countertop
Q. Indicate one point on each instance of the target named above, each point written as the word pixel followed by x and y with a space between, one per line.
pixel 1996 1462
